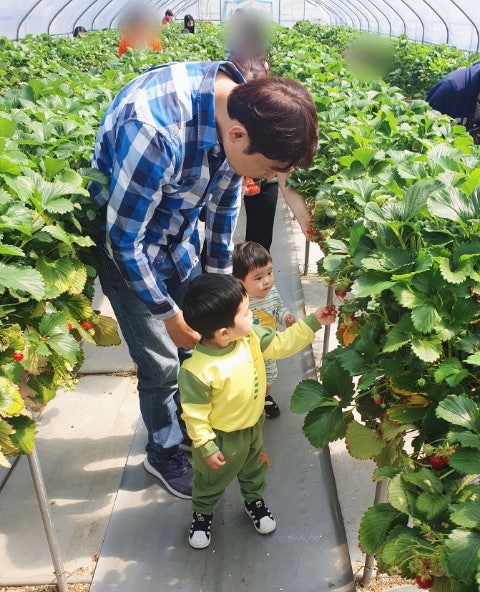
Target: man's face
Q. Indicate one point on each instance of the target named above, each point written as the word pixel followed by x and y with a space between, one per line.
pixel 257 166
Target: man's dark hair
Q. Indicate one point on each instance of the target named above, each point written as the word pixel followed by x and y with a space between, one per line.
pixel 169 12
pixel 280 118
pixel 248 256
pixel 212 302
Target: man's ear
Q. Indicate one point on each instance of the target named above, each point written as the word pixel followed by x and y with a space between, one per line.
pixel 237 134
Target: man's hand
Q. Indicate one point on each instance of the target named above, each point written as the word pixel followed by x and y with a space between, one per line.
pixel 289 320
pixel 215 461
pixel 180 333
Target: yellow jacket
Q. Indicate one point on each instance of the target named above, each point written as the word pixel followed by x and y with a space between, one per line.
pixel 224 389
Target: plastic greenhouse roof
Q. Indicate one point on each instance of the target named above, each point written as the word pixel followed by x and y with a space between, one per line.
pixel 454 22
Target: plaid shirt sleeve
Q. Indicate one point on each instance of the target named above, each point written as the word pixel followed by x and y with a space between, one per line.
pixel 220 221
pixel 143 163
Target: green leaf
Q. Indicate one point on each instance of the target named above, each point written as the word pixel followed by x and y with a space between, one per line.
pixel 425 317
pixel 450 371
pixel 425 479
pixel 7 128
pixel 11 402
pixel 58 275
pixel 466 515
pixel 399 335
pixel 11 250
pixel 462 553
pixel 466 461
pixel 364 155
pixel 309 394
pixel 432 506
pixel 406 413
pixel 337 381
pixel 403 544
pixel 106 332
pixel 454 276
pixel 25 279
pixel 401 496
pixel 323 425
pixel 362 442
pixel 7 447
pixel 24 436
pixel 428 349
pixel 371 283
pixel 375 525
pixel 474 359
pixel 460 411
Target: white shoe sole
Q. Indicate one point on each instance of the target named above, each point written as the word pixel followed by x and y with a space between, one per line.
pixel 153 471
pixel 204 546
pixel 255 526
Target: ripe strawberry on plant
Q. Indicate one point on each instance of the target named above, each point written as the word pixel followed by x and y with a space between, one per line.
pixel 69 326
pixel 377 399
pixel 424 582
pixel 18 356
pixel 340 293
pixel 438 462
pixel 87 325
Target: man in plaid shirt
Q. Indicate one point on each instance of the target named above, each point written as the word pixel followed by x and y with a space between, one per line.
pixel 176 141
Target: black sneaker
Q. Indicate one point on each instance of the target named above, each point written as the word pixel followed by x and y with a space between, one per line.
pixel 199 535
pixel 175 473
pixel 271 408
pixel 262 519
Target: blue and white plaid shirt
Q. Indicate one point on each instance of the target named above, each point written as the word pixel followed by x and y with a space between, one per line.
pixel 158 146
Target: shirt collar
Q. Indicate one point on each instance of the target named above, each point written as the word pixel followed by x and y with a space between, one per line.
pixel 207 127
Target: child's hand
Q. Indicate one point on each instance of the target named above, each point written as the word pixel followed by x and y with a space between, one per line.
pixel 215 461
pixel 289 320
pixel 326 315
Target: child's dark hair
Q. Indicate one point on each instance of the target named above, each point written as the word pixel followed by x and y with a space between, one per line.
pixel 212 302
pixel 248 256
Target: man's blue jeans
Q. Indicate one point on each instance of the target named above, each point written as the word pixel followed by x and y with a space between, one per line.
pixel 153 352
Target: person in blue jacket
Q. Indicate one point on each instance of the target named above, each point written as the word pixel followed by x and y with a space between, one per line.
pixel 458 95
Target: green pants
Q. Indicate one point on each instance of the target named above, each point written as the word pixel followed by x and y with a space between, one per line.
pixel 245 459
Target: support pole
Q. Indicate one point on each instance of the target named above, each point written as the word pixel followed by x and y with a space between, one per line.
pixel 380 496
pixel 43 504
pixel 307 257
pixel 326 334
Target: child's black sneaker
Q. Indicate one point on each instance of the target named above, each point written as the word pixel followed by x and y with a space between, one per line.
pixel 271 408
pixel 262 519
pixel 199 534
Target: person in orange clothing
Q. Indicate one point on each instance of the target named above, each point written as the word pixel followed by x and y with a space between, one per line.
pixel 138 32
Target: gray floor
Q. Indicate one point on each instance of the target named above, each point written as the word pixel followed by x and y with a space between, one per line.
pixel 145 548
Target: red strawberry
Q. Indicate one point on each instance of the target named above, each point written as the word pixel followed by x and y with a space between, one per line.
pixel 377 399
pixel 330 310
pixel 340 293
pixel 438 462
pixel 18 356
pixel 69 326
pixel 342 329
pixel 86 325
pixel 424 582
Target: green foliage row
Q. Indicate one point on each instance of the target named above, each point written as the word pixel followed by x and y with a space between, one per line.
pixel 396 200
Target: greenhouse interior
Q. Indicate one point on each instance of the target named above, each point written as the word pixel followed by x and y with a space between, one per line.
pixel 240 235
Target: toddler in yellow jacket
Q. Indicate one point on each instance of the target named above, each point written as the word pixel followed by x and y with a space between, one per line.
pixel 222 392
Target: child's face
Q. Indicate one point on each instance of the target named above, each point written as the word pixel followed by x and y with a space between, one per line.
pixel 243 322
pixel 258 282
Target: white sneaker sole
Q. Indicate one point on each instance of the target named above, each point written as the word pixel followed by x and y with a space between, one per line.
pixel 273 529
pixel 199 546
pixel 153 471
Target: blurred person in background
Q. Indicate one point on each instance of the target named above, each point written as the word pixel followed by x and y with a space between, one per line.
pixel 458 95
pixel 79 31
pixel 168 17
pixel 189 24
pixel 138 26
